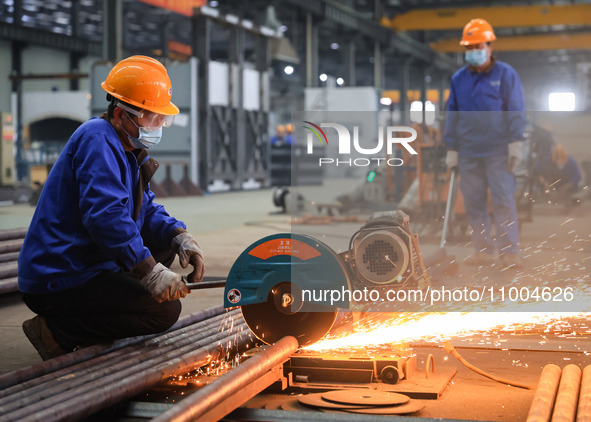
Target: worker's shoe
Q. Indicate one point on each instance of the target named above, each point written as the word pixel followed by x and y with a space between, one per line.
pixel 479 259
pixel 510 260
pixel 42 339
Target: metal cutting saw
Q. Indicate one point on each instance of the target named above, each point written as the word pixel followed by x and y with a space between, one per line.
pixel 280 282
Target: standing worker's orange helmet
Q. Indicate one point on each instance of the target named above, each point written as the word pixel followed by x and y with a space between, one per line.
pixel 477 31
pixel 142 82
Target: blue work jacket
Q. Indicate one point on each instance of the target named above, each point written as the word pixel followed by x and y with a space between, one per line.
pixel 485 111
pixel 91 216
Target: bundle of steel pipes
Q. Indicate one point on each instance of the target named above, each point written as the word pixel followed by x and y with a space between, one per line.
pixel 562 395
pixel 11 242
pixel 81 383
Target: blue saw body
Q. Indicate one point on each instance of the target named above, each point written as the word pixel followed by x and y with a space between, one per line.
pixel 298 259
pixel 269 281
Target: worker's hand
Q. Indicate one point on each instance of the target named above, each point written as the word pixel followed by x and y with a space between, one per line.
pixel 451 159
pixel 164 285
pixel 189 253
pixel 515 155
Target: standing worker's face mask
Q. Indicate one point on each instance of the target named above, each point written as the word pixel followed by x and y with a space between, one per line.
pixel 476 57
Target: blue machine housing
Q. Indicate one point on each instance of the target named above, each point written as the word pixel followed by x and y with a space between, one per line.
pixel 301 260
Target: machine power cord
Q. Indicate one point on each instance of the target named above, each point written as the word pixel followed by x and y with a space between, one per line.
pixel 447 346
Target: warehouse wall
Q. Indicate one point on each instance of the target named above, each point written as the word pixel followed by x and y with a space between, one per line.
pixel 39 60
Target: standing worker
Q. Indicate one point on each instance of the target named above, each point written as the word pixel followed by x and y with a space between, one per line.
pixel 279 137
pixel 483 134
pixel 94 262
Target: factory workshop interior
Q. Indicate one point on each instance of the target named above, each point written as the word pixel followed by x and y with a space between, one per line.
pixel 295 210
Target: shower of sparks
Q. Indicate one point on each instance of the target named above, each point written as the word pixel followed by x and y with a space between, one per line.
pixel 567 267
pixel 440 326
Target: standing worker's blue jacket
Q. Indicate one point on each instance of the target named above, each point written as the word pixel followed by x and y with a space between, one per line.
pixel 485 111
pixel 89 218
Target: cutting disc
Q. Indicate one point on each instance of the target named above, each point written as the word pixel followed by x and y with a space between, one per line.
pixel 316 400
pixel 410 407
pixel 270 321
pixel 366 397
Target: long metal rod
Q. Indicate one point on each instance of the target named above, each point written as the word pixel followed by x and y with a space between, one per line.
pixel 9 285
pixel 77 407
pixel 205 400
pixel 584 409
pixel 20 375
pixel 206 284
pixel 106 363
pixel 143 372
pixel 13 234
pixel 448 206
pixel 565 407
pixel 9 257
pixel 51 385
pixel 543 402
pixel 11 245
pixel 8 270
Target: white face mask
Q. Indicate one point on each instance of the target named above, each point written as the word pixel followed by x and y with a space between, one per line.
pixel 147 138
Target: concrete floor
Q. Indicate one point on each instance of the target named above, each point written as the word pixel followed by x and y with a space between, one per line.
pixel 225 224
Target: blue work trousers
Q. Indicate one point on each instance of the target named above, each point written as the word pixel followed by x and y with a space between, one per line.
pixel 476 176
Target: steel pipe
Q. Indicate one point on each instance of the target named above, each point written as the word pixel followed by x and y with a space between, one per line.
pixel 565 407
pixel 7 246
pixel 97 367
pixel 47 367
pixel 144 369
pixel 105 363
pixel 98 398
pixel 9 285
pixel 543 402
pixel 207 398
pixel 584 409
pixel 8 270
pixel 8 257
pixel 19 233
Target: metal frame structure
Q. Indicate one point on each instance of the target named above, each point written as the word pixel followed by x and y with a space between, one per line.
pixel 233 141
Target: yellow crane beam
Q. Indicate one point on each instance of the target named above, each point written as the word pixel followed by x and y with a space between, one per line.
pixel 498 16
pixel 524 43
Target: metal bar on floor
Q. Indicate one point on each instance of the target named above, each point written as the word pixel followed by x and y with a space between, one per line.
pixel 234 387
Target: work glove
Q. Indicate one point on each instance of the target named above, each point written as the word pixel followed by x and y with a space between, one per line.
pixel 189 253
pixel 164 285
pixel 451 159
pixel 515 155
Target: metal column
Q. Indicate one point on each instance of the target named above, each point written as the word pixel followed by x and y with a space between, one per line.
pixel 349 65
pixel 112 30
pixel 378 57
pixel 236 58
pixel 404 86
pixel 378 67
pixel 201 31
pixel 311 51
pixel 443 84
pixel 261 116
pixel 22 169
pixel 424 72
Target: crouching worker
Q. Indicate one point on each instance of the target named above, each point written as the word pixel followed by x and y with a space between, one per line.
pixel 94 264
pixel 558 174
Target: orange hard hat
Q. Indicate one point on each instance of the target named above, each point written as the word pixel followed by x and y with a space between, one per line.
pixel 288 127
pixel 142 82
pixel 477 31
